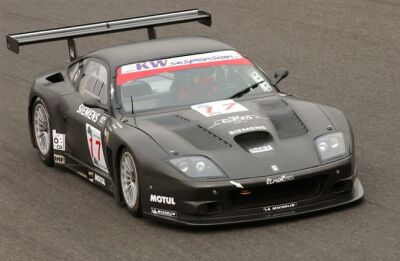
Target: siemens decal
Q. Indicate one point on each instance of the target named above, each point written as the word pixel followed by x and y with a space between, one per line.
pixel 88 113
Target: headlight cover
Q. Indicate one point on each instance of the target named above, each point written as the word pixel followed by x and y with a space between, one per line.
pixel 330 146
pixel 197 167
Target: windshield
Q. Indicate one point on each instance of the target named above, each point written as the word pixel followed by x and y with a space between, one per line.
pixel 187 80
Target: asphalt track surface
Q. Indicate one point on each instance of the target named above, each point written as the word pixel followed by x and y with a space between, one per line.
pixel 339 52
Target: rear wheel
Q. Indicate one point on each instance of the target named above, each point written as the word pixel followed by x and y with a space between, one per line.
pixel 129 183
pixel 42 131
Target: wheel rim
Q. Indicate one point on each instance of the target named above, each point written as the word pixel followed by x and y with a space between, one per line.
pixel 42 128
pixel 129 182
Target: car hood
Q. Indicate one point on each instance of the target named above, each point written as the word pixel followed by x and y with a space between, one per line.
pixel 273 135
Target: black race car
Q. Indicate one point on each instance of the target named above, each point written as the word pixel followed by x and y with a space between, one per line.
pixel 187 129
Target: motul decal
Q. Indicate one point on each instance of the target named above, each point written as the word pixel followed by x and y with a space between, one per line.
pixel 162 199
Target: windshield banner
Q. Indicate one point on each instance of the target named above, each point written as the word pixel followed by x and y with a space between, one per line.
pixel 145 69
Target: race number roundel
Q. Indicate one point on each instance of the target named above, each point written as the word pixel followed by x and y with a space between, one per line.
pixel 218 108
pixel 96 147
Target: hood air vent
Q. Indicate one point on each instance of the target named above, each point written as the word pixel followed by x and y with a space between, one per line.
pixel 202 138
pixel 287 124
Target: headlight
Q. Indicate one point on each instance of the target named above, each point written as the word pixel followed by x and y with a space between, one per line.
pixel 330 146
pixel 197 167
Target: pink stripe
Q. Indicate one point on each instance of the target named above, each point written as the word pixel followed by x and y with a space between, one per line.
pixel 123 78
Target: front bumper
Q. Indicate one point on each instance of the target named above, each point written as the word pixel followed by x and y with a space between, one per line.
pixel 219 202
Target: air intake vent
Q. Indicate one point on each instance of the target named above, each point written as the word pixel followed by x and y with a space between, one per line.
pixel 55 78
pixel 202 138
pixel 254 142
pixel 287 124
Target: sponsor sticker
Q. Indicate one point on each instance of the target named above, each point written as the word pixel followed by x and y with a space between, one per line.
pixel 163 212
pixel 162 199
pixel 247 129
pixel 58 141
pixel 90 175
pixel 99 179
pixel 261 149
pixel 274 168
pixel 148 68
pixel 96 147
pixel 280 207
pixel 59 159
pixel 102 120
pixel 218 108
pixel 88 113
pixel 235 120
pixel 278 179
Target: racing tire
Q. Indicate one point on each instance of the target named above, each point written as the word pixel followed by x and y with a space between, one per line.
pixel 41 128
pixel 129 183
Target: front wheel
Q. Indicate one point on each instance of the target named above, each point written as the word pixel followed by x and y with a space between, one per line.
pixel 129 181
pixel 42 131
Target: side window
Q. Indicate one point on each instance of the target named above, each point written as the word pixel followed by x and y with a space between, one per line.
pixel 74 72
pixel 94 81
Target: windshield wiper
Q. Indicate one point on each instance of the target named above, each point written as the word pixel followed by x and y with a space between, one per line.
pixel 246 90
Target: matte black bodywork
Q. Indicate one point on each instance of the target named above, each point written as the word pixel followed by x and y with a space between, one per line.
pixel 292 124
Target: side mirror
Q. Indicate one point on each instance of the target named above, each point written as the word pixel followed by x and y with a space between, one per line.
pixel 94 103
pixel 280 75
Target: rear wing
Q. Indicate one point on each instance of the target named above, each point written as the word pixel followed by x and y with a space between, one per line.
pixel 14 41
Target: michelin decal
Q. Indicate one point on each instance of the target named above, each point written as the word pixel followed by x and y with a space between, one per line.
pixel 164 213
pixel 280 207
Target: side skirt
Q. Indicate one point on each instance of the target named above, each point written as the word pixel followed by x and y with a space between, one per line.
pixel 96 176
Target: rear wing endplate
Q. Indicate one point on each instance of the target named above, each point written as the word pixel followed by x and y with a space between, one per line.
pixel 14 41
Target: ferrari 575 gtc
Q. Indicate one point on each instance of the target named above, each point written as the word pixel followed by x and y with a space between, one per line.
pixel 187 129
